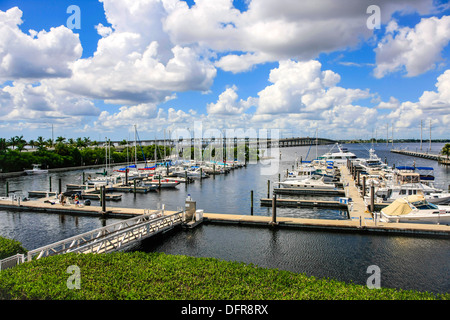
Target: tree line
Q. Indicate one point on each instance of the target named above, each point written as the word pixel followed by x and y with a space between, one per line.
pixel 63 153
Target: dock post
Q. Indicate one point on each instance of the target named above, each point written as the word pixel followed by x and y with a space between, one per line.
pixel 214 171
pixel 7 188
pixel 126 176
pixel 201 174
pixel 251 202
pixel 274 209
pixel 279 177
pixel 364 187
pixel 83 178
pixel 359 174
pixel 103 199
pixel 372 198
pixel 268 188
pixel 185 177
pixel 50 183
pixel 134 186
pixel 59 186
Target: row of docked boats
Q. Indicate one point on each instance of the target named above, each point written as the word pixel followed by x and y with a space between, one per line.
pixel 162 175
pixel 408 193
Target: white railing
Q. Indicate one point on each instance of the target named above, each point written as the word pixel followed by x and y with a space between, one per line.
pixel 12 261
pixel 112 237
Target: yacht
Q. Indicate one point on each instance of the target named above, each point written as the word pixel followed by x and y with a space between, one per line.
pixel 304 171
pixel 315 182
pixel 339 158
pixel 36 170
pixel 373 162
pixel 408 184
pixel 415 209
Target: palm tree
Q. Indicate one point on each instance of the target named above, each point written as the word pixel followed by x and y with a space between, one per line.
pixel 86 141
pixel 3 144
pixel 80 143
pixel 32 143
pixel 60 139
pixel 40 142
pixel 71 141
pixel 446 150
pixel 12 142
pixel 49 142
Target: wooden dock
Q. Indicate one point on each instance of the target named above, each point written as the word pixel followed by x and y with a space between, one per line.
pixel 311 192
pixel 361 223
pixel 350 225
pixel 357 208
pixel 299 203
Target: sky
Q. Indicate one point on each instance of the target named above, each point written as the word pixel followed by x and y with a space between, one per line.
pixel 348 69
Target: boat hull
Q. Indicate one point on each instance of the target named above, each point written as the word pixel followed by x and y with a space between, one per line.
pixel 415 218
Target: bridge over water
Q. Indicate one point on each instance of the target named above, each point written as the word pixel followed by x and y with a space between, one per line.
pixel 259 142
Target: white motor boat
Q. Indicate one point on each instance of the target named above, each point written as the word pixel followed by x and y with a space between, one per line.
pixel 163 183
pixel 408 184
pixel 315 182
pixel 36 170
pixel 415 209
pixel 339 158
pixel 305 171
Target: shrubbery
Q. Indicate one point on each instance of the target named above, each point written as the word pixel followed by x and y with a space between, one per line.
pixel 139 276
pixel 10 247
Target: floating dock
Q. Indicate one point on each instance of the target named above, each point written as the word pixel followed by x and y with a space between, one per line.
pixel 313 192
pixel 358 223
pixel 294 203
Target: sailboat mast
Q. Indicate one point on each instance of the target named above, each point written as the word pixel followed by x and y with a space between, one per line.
pixel 392 135
pixel 135 147
pixel 421 135
pixel 316 144
pixel 106 153
pixel 430 135
pixel 387 134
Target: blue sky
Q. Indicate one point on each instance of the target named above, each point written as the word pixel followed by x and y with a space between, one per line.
pixel 296 66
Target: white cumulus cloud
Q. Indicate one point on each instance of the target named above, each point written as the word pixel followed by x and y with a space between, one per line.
pixel 413 50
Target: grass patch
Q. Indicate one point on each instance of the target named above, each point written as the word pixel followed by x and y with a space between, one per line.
pixel 158 276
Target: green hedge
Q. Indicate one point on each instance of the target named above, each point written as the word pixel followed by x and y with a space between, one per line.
pixel 10 247
pixel 138 276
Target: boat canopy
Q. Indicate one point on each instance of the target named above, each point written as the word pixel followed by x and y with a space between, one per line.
pixel 425 168
pixel 406 168
pixel 401 206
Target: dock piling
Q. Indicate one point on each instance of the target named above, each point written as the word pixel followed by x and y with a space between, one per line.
pixel 268 188
pixel 274 209
pixel 103 198
pixel 251 202
pixel 50 183
pixel 364 187
pixel 372 198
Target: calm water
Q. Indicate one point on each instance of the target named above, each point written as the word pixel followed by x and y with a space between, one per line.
pixel 405 262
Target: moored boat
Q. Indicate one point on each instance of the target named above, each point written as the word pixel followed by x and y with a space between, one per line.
pixel 315 182
pixel 415 209
pixel 36 170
